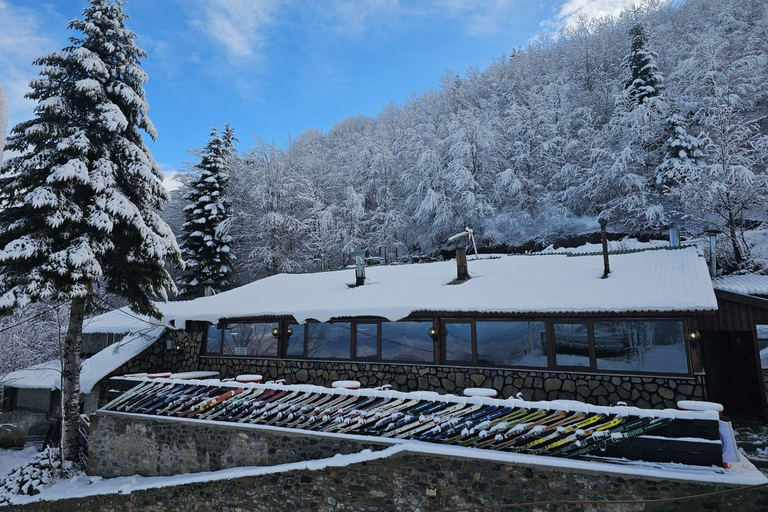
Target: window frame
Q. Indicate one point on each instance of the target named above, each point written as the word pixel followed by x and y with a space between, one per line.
pixel 440 356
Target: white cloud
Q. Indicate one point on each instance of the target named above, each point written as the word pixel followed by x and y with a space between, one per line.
pixel 22 39
pixel 572 10
pixel 240 26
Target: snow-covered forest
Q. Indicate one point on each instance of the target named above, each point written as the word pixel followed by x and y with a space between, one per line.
pixel 654 118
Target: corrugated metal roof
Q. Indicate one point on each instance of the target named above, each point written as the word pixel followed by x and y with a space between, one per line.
pixel 650 281
pixel 751 284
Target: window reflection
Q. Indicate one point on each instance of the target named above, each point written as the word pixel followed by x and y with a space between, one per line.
pixel 250 339
pixel 458 341
pixel 366 340
pixel 406 341
pixel 328 340
pixel 641 346
pixel 295 344
pixel 213 340
pixel 511 344
pixel 571 344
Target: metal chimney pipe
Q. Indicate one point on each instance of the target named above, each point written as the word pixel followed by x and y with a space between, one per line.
pixel 712 251
pixel 674 236
pixel 359 257
pixel 462 270
pixel 604 235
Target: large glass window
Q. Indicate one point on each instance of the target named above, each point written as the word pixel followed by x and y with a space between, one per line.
pixel 511 344
pixel 295 344
pixel 213 340
pixel 571 344
pixel 250 339
pixel 641 346
pixel 366 340
pixel 458 341
pixel 328 340
pixel 406 341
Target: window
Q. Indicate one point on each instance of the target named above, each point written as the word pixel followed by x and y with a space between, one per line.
pixel 295 343
pixel 366 341
pixel 642 346
pixel 328 340
pixel 250 339
pixel 511 344
pixel 571 344
pixel 406 341
pixel 213 340
pixel 458 341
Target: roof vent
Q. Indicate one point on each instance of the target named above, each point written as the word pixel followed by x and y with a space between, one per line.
pixel 674 236
pixel 712 251
pixel 462 271
pixel 359 257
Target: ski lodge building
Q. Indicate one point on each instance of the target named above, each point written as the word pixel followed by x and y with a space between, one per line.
pixel 655 331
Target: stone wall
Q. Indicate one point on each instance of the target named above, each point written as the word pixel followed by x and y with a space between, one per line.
pixel 598 389
pixel 400 483
pixel 125 444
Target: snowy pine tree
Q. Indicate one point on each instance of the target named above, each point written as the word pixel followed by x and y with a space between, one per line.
pixel 206 244
pixel 81 198
pixel 645 80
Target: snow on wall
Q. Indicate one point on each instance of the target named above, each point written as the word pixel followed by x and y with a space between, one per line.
pixel 750 284
pixel 48 375
pixel 650 281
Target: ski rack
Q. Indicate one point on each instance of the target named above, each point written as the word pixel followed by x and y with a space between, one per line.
pixel 559 428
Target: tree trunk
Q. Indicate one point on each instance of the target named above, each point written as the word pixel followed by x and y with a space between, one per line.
pixel 70 382
pixel 734 238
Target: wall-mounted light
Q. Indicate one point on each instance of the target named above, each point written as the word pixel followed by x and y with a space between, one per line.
pixel 433 333
pixel 289 331
pixel 694 336
pixel 276 332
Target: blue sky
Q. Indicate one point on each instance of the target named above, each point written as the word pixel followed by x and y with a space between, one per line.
pixel 277 67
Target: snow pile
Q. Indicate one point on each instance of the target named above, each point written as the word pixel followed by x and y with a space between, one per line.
pixel 31 478
pixel 118 321
pixel 649 281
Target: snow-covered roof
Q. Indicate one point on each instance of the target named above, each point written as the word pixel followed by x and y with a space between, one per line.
pixel 649 281
pixel 48 375
pixel 118 321
pixel 750 284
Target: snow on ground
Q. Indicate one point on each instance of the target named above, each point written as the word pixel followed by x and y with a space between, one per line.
pixel 82 485
pixel 11 459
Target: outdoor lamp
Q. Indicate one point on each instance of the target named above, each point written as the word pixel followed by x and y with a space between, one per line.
pixel 433 333
pixel 694 335
pixel 276 332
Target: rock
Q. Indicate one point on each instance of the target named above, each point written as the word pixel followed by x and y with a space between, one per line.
pixel 666 393
pixel 301 375
pixel 477 379
pixel 552 384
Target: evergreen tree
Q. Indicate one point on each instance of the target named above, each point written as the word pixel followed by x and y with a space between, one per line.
pixel 645 80
pixel 206 245
pixel 81 199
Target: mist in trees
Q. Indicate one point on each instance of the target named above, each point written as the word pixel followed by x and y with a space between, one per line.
pixel 657 117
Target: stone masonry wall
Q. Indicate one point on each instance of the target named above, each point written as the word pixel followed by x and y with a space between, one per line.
pixel 124 444
pixel 400 483
pixel 598 389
